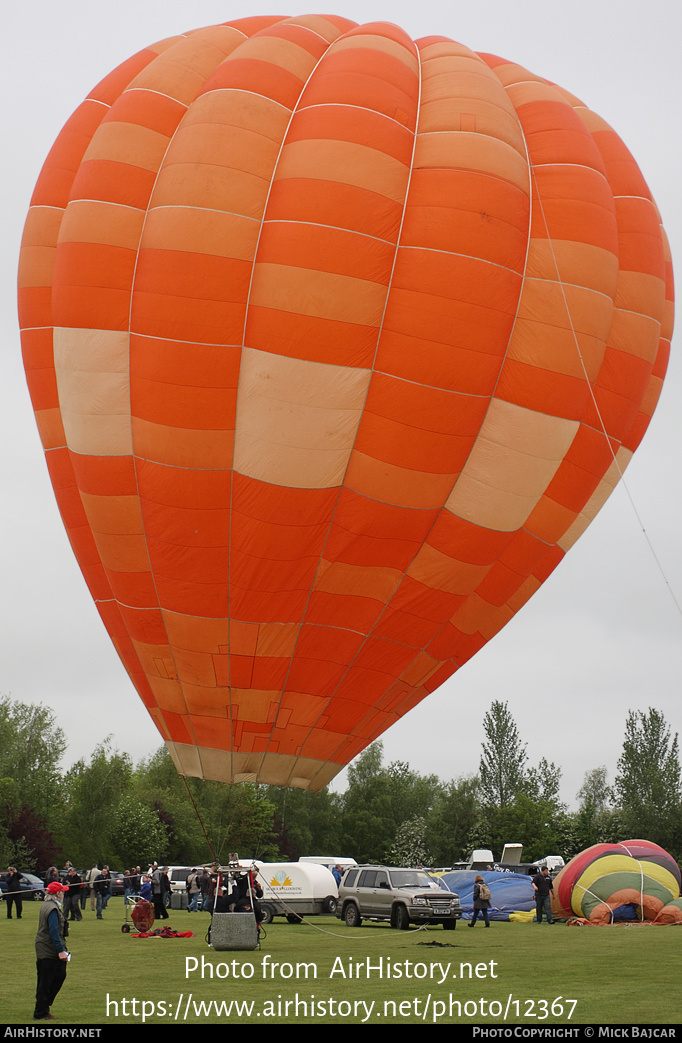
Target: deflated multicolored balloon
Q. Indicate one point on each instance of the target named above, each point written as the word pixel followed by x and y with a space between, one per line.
pixel 337 342
pixel 631 880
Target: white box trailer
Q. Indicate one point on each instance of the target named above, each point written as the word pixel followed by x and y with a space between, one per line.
pixel 553 862
pixel 295 889
pixel 330 861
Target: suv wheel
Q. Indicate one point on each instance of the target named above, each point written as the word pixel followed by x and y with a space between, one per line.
pixel 399 918
pixel 351 915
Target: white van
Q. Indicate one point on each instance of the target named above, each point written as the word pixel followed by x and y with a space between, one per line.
pixel 178 877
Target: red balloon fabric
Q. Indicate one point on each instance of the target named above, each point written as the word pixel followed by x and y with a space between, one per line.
pixel 336 342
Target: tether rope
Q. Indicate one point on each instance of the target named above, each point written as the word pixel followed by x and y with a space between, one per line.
pixel 621 475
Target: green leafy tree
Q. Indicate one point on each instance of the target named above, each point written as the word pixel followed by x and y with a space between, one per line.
pixel 16 853
pixel 157 785
pixel 503 764
pixel 31 748
pixel 324 815
pixel 238 819
pixel 595 792
pixel 94 791
pixel 305 823
pixel 519 803
pixel 378 801
pixel 647 785
pixel 528 821
pixel 453 819
pixel 594 818
pixel 234 817
pixel 367 823
pixel 410 847
pixel 543 783
pixel 412 794
pixel 568 841
pixel 140 838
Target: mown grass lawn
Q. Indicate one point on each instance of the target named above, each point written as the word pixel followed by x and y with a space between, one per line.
pixel 624 975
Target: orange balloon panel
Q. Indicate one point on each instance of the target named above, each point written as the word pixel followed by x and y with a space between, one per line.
pixel 336 342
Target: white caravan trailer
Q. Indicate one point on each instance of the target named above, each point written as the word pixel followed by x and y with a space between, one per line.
pixel 295 889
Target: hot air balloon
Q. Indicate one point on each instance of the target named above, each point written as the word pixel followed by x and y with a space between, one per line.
pixel 336 343
pixel 632 880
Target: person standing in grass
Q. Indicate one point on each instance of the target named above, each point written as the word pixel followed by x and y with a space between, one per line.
pixel 72 900
pixel 90 878
pixel 482 898
pixel 102 891
pixel 193 891
pixel 13 892
pixel 52 876
pixel 160 885
pixel 542 885
pixel 51 952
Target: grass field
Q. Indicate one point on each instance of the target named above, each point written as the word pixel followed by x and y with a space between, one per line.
pixel 624 975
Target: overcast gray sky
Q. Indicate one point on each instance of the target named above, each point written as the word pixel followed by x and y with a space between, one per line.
pixel 601 637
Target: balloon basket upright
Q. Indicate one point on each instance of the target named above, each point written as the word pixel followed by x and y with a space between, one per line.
pixel 234 931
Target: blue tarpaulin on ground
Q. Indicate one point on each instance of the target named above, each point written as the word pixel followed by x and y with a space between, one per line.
pixel 511 892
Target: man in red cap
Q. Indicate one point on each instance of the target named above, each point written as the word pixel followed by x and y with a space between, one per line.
pixel 51 952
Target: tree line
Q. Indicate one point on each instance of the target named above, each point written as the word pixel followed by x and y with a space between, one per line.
pixel 105 809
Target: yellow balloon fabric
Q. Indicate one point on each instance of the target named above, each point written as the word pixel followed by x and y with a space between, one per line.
pixel 337 342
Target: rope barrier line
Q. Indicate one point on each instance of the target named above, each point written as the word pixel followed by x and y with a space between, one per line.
pixel 356 938
pixel 25 892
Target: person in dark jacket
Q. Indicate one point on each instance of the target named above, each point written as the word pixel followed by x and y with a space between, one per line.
pixel 51 952
pixel 160 887
pixel 248 891
pixel 204 884
pixel 102 887
pixel 13 892
pixel 542 885
pixel 481 904
pixel 75 886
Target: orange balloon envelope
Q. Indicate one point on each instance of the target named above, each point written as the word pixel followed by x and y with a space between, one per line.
pixel 336 342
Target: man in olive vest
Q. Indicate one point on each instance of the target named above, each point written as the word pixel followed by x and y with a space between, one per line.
pixel 51 952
